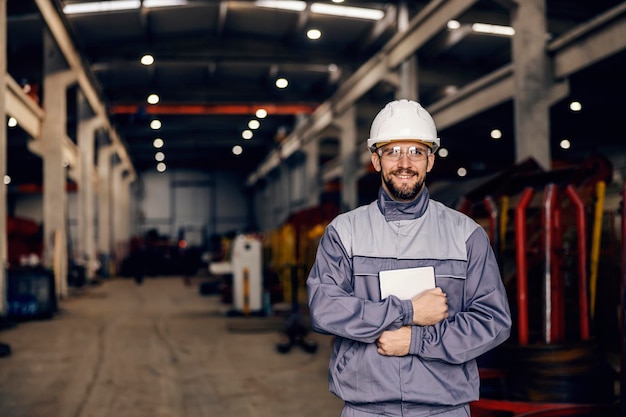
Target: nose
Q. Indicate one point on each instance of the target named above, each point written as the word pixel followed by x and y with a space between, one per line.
pixel 404 160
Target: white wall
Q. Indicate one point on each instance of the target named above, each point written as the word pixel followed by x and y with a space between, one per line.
pixel 201 204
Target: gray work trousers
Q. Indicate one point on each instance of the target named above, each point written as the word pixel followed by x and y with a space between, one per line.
pixel 403 410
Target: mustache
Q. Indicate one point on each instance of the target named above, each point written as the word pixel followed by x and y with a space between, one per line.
pixel 404 171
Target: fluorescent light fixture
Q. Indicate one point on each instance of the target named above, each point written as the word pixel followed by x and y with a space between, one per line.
pixel 101 6
pixel 345 11
pixel 323 8
pixel 493 29
pixel 117 5
pixel 163 3
pixel 297 6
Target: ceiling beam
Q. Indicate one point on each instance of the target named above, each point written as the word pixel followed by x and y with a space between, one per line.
pixel 57 27
pixel 213 109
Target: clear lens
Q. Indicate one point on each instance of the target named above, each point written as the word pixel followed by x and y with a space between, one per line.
pixel 395 153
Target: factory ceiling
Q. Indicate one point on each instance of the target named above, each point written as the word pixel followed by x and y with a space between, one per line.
pixel 217 62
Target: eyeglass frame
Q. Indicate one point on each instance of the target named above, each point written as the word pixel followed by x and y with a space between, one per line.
pixel 425 153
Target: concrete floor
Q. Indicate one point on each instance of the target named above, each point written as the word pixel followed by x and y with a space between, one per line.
pixel 158 350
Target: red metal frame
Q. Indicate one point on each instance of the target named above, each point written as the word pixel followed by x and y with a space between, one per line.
pixel 581 228
pixel 482 407
pixel 558 280
pixel 549 200
pixel 522 266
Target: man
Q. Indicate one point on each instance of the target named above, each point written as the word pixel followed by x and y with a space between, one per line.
pixel 406 357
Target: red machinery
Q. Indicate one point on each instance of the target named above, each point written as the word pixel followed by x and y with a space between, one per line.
pixel 554 364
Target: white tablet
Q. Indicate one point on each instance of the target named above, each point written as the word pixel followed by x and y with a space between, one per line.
pixel 406 283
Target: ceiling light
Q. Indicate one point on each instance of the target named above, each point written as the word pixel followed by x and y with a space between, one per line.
pixel 442 152
pixel 153 99
pixel 12 122
pixel 282 83
pixel 118 5
pixel 337 1
pixel 297 6
pixel 493 29
pixel 237 150
pixel 254 124
pixel 246 134
pixel 158 143
pixel 344 11
pixel 163 3
pixel 461 172
pixel 322 8
pixel 453 24
pixel 575 106
pixel 155 124
pixel 496 134
pixel 159 156
pixel 147 60
pixel 261 113
pixel 7 180
pixel 314 34
pixel 451 89
pixel 565 144
pixel 101 6
pixel 161 167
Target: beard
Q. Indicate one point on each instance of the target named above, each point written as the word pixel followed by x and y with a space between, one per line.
pixel 406 192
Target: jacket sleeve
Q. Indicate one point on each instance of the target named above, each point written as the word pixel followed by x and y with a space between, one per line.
pixel 333 306
pixel 486 321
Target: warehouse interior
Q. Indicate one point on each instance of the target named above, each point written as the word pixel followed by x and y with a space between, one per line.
pixel 189 127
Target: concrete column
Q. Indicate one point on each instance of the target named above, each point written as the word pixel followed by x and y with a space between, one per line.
pixel 86 245
pixel 312 168
pixel 53 137
pixel 349 158
pixel 408 88
pixel 117 201
pixel 121 212
pixel 3 159
pixel 126 210
pixel 531 69
pixel 105 242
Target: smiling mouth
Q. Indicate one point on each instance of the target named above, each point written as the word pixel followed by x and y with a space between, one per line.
pixel 404 176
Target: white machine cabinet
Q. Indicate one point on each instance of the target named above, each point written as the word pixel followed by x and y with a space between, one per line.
pixel 247 270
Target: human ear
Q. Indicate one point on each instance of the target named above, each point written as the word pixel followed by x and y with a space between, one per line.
pixel 430 162
pixel 376 162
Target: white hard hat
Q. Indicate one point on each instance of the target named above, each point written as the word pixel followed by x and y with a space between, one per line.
pixel 403 120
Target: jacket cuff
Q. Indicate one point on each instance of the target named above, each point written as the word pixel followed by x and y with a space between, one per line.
pixel 407 310
pixel 416 340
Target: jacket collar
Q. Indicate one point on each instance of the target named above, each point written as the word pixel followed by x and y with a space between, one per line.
pixel 396 210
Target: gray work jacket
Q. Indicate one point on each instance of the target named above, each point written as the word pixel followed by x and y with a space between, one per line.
pixel 344 300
